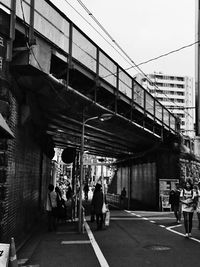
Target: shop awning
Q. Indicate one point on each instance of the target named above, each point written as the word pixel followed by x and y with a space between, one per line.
pixel 5 131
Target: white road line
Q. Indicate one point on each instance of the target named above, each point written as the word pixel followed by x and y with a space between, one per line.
pixel 95 246
pixel 173 231
pixel 125 219
pixel 22 261
pixel 161 218
pixel 75 242
pixel 167 228
pixel 174 226
pixel 62 233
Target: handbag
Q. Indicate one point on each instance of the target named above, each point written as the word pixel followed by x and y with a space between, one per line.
pixel 104 208
pixel 107 218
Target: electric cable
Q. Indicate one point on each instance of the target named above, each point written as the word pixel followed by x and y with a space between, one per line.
pixel 122 50
pixel 166 54
pixel 75 44
pixel 96 30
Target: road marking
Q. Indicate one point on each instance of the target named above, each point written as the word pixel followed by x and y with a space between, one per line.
pixel 129 211
pixel 173 231
pixel 95 246
pixel 170 228
pixel 61 233
pixel 161 218
pixel 125 218
pixel 75 242
pixel 22 261
pixel 174 226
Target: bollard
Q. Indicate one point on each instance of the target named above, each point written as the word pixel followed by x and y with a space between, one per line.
pixel 13 256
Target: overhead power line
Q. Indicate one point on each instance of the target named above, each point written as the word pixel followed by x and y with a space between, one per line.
pixel 122 50
pixel 97 31
pixel 166 54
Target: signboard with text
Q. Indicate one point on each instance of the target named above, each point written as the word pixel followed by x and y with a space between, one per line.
pixel 165 186
pixel 4 254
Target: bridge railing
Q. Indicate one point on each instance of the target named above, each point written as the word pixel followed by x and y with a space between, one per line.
pixel 62 33
pixel 113 199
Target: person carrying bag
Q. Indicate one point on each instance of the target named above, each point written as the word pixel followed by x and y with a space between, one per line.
pixel 51 208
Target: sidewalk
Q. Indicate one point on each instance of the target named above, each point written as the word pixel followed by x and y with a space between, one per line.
pixel 65 247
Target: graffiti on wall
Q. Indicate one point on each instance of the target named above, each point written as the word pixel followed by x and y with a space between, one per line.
pixel 190 169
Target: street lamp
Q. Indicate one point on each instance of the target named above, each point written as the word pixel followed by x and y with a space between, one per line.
pixel 103 117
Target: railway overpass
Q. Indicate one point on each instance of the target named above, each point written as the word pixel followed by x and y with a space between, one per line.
pixel 52 79
pixel 67 78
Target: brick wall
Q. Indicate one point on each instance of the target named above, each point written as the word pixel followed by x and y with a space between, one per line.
pixel 24 175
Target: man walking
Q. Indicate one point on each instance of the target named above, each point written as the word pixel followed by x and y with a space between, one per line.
pixel 174 200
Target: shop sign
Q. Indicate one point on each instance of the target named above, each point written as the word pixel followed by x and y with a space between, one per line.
pixel 4 254
pixel 165 186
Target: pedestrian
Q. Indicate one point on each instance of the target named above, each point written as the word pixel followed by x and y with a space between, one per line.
pixel 97 204
pixel 69 192
pixel 187 197
pixel 122 198
pixel 174 200
pixel 198 204
pixel 86 190
pixel 61 207
pixel 51 208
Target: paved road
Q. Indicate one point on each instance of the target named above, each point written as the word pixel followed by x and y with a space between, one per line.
pixel 134 238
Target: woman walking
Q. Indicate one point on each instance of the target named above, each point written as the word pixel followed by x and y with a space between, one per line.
pixel 198 205
pixel 187 197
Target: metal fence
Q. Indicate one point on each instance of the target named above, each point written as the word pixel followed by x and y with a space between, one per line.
pixel 61 32
pixel 113 199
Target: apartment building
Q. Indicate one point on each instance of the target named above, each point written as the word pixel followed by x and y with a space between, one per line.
pixel 174 92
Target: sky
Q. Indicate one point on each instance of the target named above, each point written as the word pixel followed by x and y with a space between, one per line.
pixel 144 29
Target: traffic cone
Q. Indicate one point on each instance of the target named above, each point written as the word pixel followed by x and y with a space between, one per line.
pixel 13 256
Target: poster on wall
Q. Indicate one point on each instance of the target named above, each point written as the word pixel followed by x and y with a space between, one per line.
pixel 165 186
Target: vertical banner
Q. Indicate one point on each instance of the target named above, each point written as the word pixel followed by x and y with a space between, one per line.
pixel 4 254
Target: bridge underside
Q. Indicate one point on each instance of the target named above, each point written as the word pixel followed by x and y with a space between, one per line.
pixel 58 111
pixel 56 96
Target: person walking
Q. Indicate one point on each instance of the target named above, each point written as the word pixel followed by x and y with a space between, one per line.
pixel 187 197
pixel 97 204
pixel 174 200
pixel 86 190
pixel 69 192
pixel 61 207
pixel 51 208
pixel 122 198
pixel 198 204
